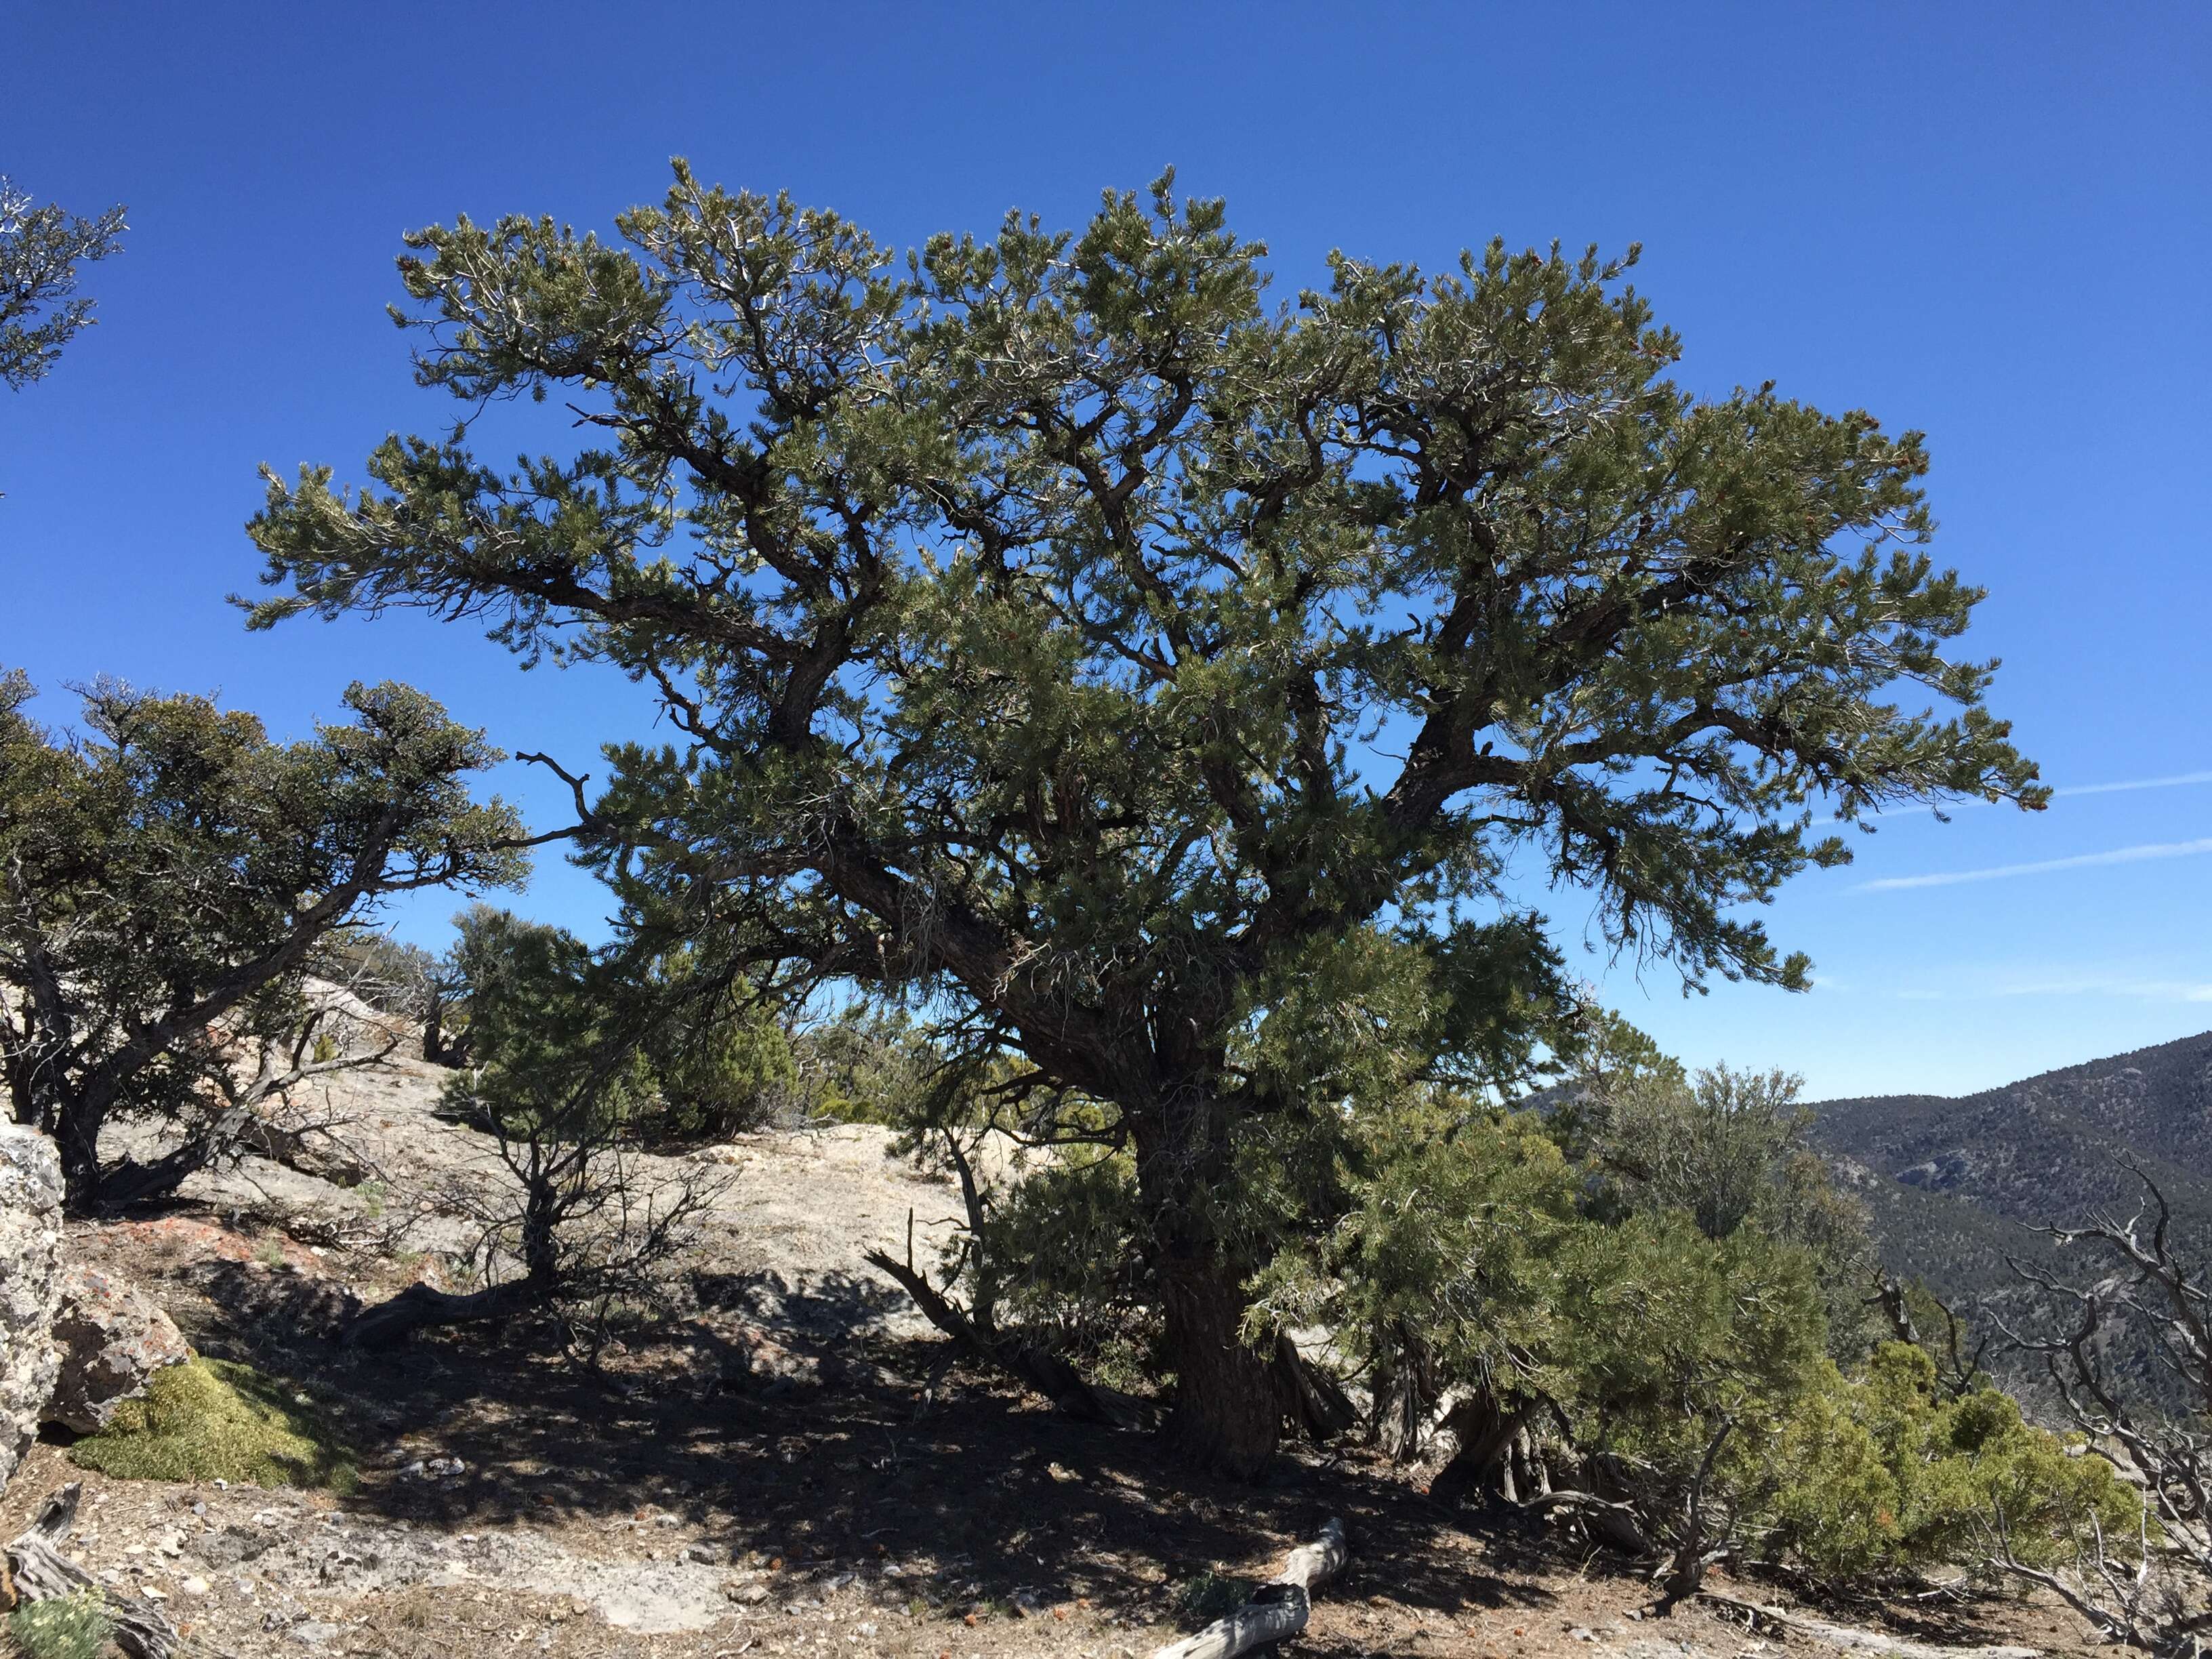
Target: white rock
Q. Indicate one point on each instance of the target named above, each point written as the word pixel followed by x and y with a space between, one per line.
pixel 113 1338
pixel 30 1287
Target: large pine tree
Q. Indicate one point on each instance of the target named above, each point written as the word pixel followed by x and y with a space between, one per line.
pixel 1159 680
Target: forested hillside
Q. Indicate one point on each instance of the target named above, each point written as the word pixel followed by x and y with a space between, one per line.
pixel 1954 1185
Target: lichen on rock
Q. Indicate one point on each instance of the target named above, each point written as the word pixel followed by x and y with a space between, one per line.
pixel 113 1337
pixel 30 1268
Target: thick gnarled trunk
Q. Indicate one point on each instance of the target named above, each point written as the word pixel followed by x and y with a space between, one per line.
pixel 76 1137
pixel 1235 1389
pixel 1228 1413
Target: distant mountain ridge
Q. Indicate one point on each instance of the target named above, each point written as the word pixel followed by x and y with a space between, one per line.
pixel 2045 1149
pixel 1954 1185
pixel 2157 1101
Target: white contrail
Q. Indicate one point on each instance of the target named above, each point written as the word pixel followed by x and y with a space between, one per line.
pixel 1962 989
pixel 2166 850
pixel 2173 782
pixel 2176 781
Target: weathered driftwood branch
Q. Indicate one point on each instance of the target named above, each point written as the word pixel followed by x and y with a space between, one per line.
pixel 391 1322
pixel 1277 1611
pixel 1776 1621
pixel 42 1573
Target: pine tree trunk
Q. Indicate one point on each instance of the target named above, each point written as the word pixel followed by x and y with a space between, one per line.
pixel 1228 1408
pixel 77 1137
pixel 1231 1395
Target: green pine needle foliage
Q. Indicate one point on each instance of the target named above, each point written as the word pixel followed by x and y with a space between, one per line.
pixel 1877 1473
pixel 213 1418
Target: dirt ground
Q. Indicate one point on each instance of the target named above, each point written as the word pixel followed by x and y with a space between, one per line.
pixel 790 1467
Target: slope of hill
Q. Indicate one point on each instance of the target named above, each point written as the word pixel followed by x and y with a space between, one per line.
pixel 1955 1187
pixel 2042 1147
pixel 2051 1148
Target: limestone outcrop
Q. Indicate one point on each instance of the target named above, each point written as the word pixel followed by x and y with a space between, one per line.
pixel 30 1285
pixel 113 1337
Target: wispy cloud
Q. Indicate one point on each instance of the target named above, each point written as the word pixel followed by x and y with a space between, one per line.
pixel 1969 987
pixel 2167 849
pixel 2151 990
pixel 2126 786
pixel 2173 782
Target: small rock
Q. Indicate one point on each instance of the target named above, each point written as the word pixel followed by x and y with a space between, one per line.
pixel 233 1545
pixel 113 1338
pixel 313 1632
pixel 750 1595
pixel 193 1586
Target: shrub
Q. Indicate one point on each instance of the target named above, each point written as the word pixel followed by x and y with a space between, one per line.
pixel 1878 1473
pixel 1728 1149
pixel 212 1419
pixel 1057 1264
pixel 65 1627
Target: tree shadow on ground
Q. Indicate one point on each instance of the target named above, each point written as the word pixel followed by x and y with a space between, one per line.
pixel 839 1454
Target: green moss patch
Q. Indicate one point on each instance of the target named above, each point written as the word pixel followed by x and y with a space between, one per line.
pixel 210 1419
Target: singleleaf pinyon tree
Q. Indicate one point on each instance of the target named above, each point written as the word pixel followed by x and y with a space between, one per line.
pixel 168 882
pixel 40 249
pixel 1154 681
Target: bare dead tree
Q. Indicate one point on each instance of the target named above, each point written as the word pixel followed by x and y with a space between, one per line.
pixel 252 1098
pixel 2149 1590
pixel 582 1220
pixel 1958 1370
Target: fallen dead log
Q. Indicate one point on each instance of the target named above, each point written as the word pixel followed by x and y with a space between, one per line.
pixel 1277 1611
pixel 1782 1622
pixel 42 1573
pixel 237 1130
pixel 323 1157
pixel 1612 1524
pixel 392 1321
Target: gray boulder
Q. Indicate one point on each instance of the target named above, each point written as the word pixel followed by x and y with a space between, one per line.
pixel 113 1339
pixel 30 1288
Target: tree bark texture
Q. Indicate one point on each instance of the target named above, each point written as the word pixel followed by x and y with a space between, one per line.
pixel 1228 1411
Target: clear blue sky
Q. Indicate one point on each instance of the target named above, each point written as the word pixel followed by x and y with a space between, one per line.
pixel 1990 221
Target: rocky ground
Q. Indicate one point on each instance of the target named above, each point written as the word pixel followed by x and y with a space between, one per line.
pixel 785 1465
